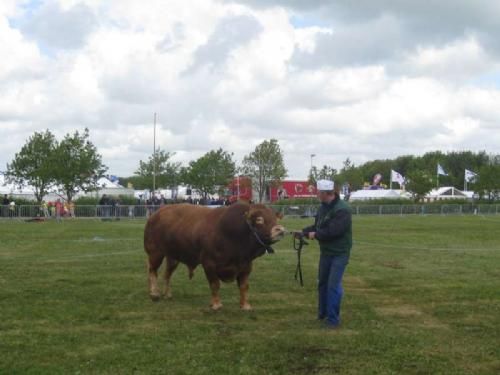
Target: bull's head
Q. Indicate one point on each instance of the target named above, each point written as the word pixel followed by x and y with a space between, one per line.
pixel 265 223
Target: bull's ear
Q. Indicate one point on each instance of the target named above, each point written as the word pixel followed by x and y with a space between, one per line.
pixel 279 215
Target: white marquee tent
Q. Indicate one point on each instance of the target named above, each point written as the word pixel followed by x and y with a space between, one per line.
pixel 105 186
pixel 447 193
pixel 363 195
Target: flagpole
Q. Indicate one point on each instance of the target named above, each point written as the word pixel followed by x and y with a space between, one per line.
pixel 154 155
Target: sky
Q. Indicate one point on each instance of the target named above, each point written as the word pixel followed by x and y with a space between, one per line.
pixel 364 80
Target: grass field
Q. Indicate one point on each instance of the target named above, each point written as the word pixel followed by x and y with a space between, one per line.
pixel 422 296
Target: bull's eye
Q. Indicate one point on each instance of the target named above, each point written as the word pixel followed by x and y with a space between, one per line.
pixel 259 220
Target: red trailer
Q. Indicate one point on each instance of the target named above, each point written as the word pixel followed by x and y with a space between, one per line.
pixel 240 188
pixel 290 189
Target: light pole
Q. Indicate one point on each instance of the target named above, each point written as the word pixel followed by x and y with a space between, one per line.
pixel 154 156
pixel 312 156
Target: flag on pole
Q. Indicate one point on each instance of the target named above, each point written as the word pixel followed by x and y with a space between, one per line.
pixel 440 170
pixel 397 177
pixel 470 176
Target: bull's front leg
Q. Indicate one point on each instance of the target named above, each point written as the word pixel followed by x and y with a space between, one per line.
pixel 215 303
pixel 244 286
pixel 214 282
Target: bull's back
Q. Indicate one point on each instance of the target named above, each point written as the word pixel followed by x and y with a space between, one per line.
pixel 176 231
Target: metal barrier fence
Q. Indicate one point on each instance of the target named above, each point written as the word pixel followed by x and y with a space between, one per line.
pixel 400 209
pixel 131 212
pixel 79 212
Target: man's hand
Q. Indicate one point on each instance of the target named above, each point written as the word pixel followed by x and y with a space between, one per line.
pixel 311 235
pixel 298 234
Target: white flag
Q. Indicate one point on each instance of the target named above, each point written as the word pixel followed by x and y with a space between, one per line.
pixel 440 170
pixel 470 176
pixel 397 177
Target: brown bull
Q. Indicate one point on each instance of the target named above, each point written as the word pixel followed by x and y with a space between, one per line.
pixel 223 240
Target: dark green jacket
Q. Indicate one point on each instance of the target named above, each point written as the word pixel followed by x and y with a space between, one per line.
pixel 333 227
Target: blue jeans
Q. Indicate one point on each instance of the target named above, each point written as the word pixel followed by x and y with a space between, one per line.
pixel 331 270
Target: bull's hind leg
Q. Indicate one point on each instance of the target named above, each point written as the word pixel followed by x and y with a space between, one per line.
pixel 171 266
pixel 154 262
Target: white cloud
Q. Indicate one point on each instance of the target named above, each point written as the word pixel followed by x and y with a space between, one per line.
pixel 21 60
pixel 458 61
pixel 365 85
pixel 46 22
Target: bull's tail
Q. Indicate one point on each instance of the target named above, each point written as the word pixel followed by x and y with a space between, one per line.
pixel 154 261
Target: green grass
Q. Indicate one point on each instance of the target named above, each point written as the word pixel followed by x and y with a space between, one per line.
pixel 422 295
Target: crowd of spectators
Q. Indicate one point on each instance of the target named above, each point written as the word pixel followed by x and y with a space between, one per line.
pixel 209 201
pixel 56 209
pixel 107 207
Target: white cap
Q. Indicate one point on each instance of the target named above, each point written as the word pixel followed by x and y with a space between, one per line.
pixel 324 185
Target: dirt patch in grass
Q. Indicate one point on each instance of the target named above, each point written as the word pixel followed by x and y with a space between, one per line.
pixel 357 285
pixel 388 306
pixel 401 310
pixel 413 315
pixel 393 264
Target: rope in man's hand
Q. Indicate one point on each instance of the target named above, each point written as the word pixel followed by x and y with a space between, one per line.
pixel 298 244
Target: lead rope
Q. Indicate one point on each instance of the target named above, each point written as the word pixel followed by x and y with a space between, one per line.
pixel 298 244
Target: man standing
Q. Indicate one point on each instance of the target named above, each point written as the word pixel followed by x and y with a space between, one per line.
pixel 5 203
pixel 104 202
pixel 59 209
pixel 12 209
pixel 44 208
pixel 333 230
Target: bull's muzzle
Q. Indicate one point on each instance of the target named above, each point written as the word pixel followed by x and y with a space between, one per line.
pixel 277 233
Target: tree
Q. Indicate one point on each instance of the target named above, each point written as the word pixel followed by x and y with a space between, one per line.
pixel 34 164
pixel 419 183
pixel 488 182
pixel 79 166
pixel 351 175
pixel 325 173
pixel 210 173
pixel 265 166
pixel 167 172
pixel 454 164
pixel 313 175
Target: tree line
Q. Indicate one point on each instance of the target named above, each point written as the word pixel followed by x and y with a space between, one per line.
pixel 212 172
pixel 73 164
pixel 421 175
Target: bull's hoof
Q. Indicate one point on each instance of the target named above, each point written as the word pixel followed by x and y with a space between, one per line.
pixel 246 307
pixel 167 295
pixel 155 297
pixel 216 306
